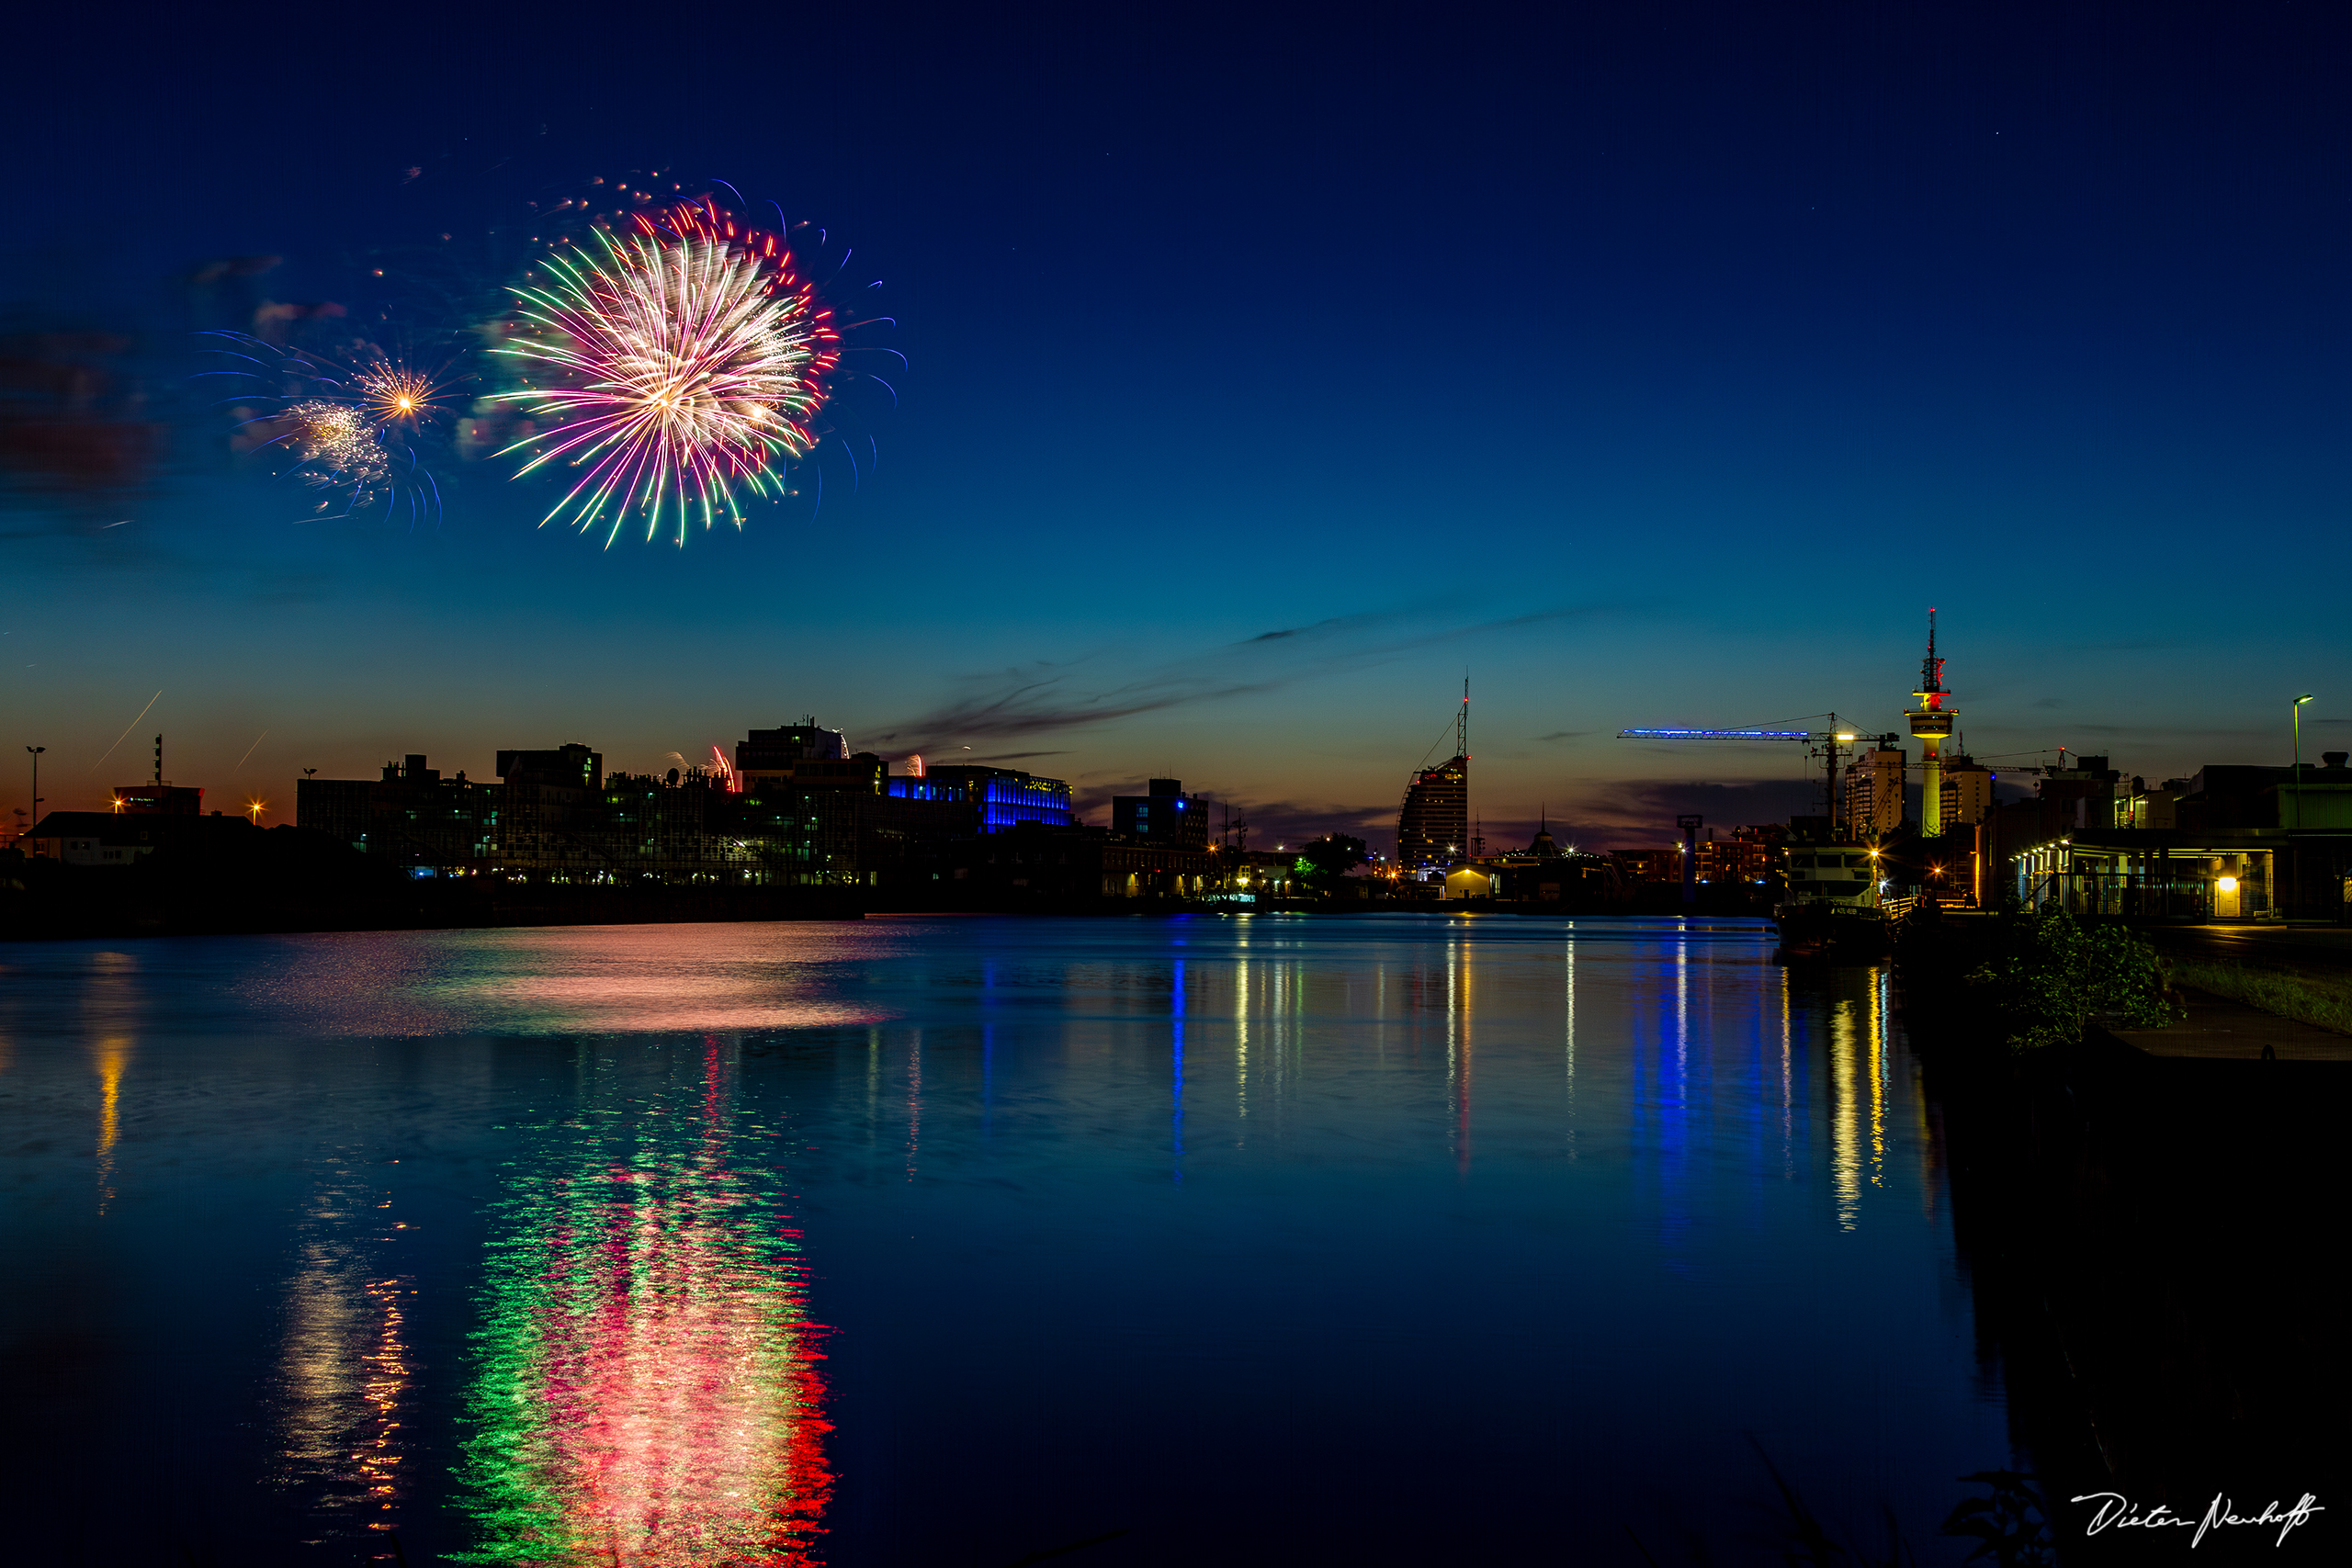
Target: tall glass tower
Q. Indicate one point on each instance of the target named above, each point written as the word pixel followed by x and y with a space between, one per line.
pixel 1433 824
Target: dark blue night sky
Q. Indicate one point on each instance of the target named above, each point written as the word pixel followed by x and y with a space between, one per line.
pixel 1653 364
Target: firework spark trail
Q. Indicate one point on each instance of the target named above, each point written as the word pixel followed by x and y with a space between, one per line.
pixel 689 361
pixel 126 731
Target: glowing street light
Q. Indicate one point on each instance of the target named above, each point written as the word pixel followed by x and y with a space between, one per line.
pixel 2296 708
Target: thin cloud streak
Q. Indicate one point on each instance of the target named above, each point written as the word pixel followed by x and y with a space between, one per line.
pixel 1040 698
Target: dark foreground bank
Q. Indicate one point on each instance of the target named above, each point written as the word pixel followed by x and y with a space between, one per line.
pixel 2154 1245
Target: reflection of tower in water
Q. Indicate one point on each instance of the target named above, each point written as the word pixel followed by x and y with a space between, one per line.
pixel 1858 1008
pixel 646 1391
pixel 1458 1058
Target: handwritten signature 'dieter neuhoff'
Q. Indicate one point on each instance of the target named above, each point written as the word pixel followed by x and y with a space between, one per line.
pixel 2113 1509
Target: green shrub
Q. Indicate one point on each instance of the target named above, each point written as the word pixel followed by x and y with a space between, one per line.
pixel 2052 974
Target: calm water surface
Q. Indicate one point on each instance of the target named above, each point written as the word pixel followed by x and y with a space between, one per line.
pixel 1386 1240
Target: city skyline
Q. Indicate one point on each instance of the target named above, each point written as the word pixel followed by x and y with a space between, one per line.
pixel 1712 389
pixel 1515 784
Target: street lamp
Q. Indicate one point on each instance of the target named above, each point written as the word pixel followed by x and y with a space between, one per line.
pixel 36 750
pixel 2297 710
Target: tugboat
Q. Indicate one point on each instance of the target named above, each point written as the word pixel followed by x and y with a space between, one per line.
pixel 1829 909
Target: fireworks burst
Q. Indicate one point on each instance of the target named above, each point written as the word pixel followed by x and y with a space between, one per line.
pixel 393 394
pixel 338 449
pixel 350 430
pixel 681 366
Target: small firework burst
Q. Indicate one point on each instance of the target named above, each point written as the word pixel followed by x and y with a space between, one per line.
pixel 338 448
pixel 351 429
pixel 679 363
pixel 392 394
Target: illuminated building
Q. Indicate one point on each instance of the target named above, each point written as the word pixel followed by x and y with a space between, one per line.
pixel 2157 807
pixel 1006 796
pixel 1165 816
pixel 158 800
pixel 790 814
pixel 1874 793
pixel 159 797
pixel 553 800
pixel 411 814
pixel 1433 823
pixel 781 752
pixel 779 748
pixel 818 819
pixel 1564 879
pixel 1746 858
pixel 1931 723
pixel 1968 792
pixel 687 821
pixel 2211 846
pixel 1253 876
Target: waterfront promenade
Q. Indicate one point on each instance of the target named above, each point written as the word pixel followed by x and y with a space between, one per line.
pixel 2217 1029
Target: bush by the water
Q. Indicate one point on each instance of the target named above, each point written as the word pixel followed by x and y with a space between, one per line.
pixel 2050 975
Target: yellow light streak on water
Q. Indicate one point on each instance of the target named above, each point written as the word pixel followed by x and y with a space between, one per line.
pixel 1845 1119
pixel 111 1054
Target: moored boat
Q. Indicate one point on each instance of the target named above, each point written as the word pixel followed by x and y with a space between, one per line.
pixel 1829 908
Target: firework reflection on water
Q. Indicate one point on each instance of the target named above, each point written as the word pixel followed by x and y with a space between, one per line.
pixel 644 1389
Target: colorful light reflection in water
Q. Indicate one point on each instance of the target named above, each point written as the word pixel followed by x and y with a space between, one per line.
pixel 645 1392
pixel 345 1373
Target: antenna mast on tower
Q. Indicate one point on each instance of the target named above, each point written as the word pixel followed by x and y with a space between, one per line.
pixel 1931 668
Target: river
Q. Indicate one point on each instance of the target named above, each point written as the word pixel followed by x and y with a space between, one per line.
pixel 1390 1239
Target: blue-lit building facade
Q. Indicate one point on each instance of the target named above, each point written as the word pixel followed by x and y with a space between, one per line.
pixel 1005 796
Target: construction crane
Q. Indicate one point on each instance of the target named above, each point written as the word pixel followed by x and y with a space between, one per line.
pixel 1828 744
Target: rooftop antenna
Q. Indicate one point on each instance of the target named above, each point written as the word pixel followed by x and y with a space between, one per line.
pixel 159 758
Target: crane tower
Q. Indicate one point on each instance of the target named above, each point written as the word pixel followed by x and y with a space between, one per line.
pixel 1931 721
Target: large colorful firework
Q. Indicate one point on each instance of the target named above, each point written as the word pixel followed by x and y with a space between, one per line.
pixel 351 428
pixel 679 363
